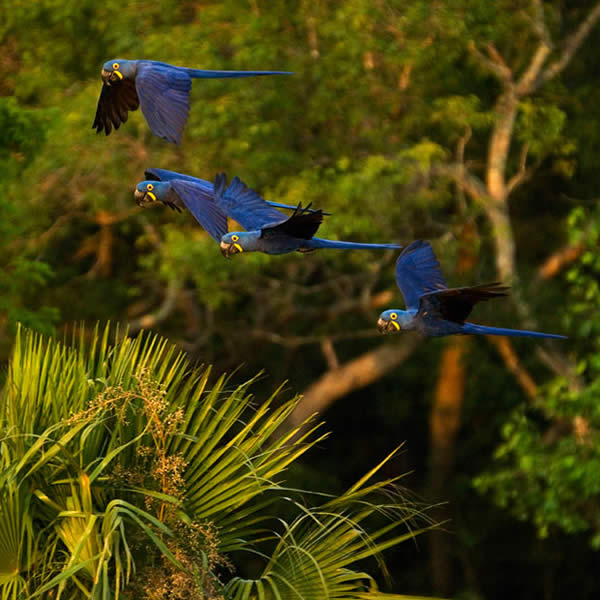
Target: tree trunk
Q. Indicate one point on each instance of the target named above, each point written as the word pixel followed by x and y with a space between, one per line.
pixel 444 424
pixel 496 206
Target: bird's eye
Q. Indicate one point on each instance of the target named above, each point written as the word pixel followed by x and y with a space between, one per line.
pixel 394 316
pixel 149 187
pixel 235 238
pixel 115 66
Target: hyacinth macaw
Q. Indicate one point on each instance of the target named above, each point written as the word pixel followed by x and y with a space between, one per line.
pixel 162 90
pixel 268 229
pixel 166 175
pixel 434 309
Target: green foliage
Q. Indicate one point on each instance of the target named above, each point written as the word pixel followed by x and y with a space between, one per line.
pixel 121 470
pixel 22 132
pixel 547 467
pixel 382 91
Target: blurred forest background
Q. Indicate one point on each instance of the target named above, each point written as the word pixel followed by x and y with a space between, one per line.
pixel 470 123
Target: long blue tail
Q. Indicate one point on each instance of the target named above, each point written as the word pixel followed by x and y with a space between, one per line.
pixel 484 330
pixel 204 74
pixel 321 243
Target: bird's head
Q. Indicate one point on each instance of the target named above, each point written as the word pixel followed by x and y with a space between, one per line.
pixel 393 320
pixel 147 192
pixel 117 69
pixel 235 242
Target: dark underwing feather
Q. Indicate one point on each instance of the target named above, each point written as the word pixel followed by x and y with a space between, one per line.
pixel 244 205
pixel 418 272
pixel 456 304
pixel 302 224
pixel 165 100
pixel 114 103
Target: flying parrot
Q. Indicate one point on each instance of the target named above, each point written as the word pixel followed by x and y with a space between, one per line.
pixel 434 309
pixel 268 229
pixel 162 90
pixel 166 175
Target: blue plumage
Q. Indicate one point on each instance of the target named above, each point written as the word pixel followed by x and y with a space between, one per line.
pixel 166 175
pixel 181 193
pixel 269 230
pixel 162 91
pixel 434 309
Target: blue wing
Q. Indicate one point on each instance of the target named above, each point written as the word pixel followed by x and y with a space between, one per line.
pixel 166 175
pixel 244 205
pixel 201 203
pixel 164 94
pixel 418 272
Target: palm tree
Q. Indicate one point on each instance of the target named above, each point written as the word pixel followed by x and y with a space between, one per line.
pixel 123 473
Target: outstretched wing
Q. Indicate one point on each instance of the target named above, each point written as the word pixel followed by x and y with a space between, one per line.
pixel 244 205
pixel 164 94
pixel 418 272
pixel 115 101
pixel 302 224
pixel 166 175
pixel 456 304
pixel 202 205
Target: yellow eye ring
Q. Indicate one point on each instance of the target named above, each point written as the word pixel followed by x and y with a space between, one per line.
pixel 394 316
pixel 115 66
pixel 149 187
pixel 235 238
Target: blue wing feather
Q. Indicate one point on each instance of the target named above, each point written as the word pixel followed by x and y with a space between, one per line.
pixel 418 272
pixel 201 203
pixel 244 205
pixel 164 95
pixel 166 175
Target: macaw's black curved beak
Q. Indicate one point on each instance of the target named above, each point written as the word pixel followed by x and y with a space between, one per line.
pixel 383 326
pixel 141 198
pixel 227 249
pixel 109 77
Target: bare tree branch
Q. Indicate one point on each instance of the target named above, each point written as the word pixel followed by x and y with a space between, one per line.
pixel 524 173
pixel 494 64
pixel 459 173
pixel 329 354
pixel 559 259
pixel 527 81
pixel 539 23
pixel 351 376
pixel 570 46
pixel 511 360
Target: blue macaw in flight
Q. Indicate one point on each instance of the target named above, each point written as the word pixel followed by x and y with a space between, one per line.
pixel 162 90
pixel 268 229
pixel 166 175
pixel 434 309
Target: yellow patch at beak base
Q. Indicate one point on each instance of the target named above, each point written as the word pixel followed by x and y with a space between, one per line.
pixel 239 248
pixel 151 196
pixel 119 75
pixel 395 325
